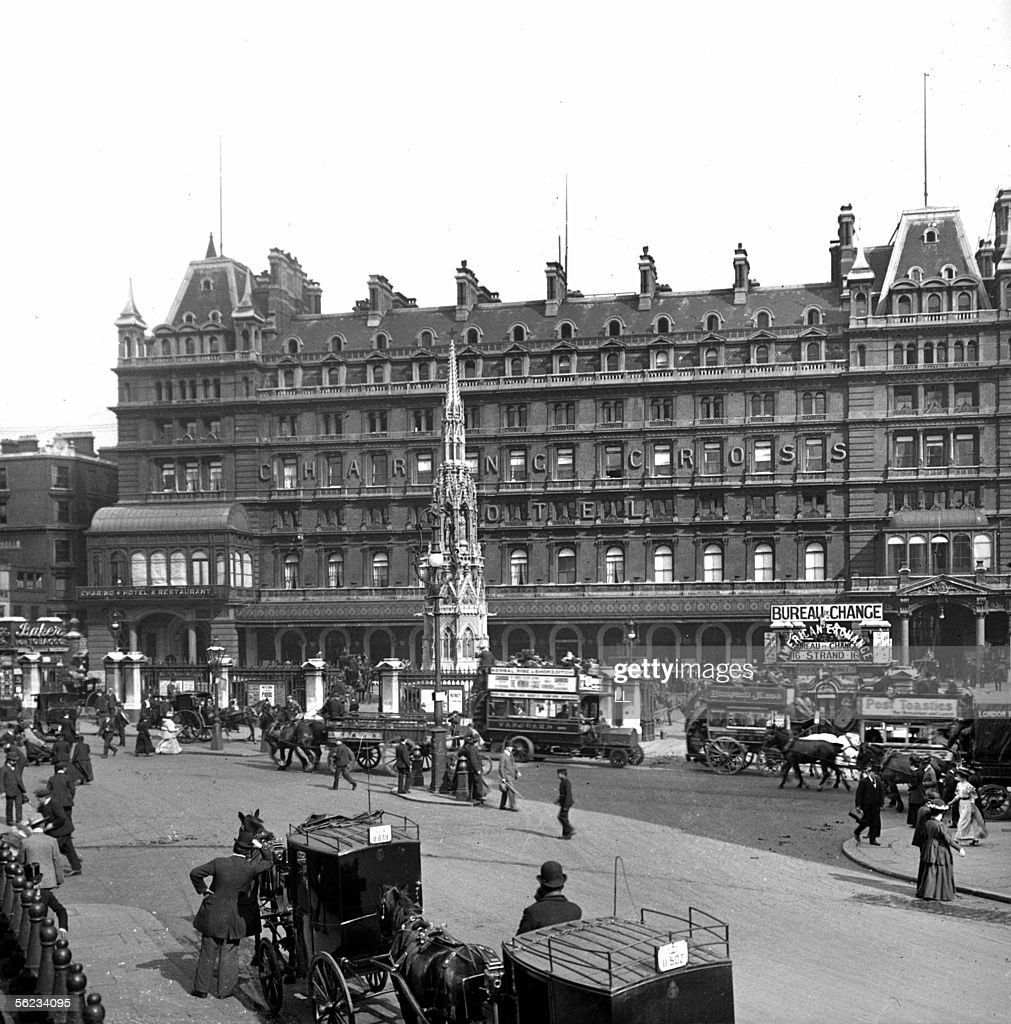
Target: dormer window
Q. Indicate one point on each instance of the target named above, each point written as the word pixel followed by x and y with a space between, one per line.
pixel 614 328
pixel 335 343
pixel 207 285
pixel 948 272
pixel 215 316
pixel 930 235
pixel 763 321
pixel 565 331
pixel 813 317
pixel 663 325
pixel 380 342
pixel 473 336
pixel 712 323
pixel 189 318
pixel 426 338
pixel 292 346
pixel 915 274
pixel 519 333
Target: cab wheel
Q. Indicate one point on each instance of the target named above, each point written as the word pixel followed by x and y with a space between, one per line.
pixel 618 757
pixel 523 749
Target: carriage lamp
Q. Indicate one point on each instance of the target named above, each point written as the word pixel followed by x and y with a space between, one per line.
pixel 215 657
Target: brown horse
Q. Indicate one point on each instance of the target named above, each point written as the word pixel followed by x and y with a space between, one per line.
pixel 303 738
pixel 452 982
pixel 801 751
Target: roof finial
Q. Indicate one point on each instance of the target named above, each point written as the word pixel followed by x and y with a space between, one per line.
pixel 130 314
pixel 211 254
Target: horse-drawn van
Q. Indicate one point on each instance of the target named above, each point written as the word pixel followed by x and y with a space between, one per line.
pixel 990 756
pixel 727 730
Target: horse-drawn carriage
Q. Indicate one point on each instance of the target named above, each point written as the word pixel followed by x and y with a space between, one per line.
pixel 341 908
pixel 52 707
pixel 728 729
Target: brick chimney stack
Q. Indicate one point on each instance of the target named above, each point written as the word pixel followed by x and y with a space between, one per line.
pixel 647 279
pixel 741 270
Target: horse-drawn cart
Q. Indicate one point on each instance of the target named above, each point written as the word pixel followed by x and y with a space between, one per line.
pixel 320 907
pixel 373 737
pixel 727 730
pixel 991 753
pixel 661 969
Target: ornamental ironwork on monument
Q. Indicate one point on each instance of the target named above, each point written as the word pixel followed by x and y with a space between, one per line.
pixel 452 520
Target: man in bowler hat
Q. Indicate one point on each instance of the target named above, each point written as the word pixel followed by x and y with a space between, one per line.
pixel 549 906
pixel 218 920
pixel 869 798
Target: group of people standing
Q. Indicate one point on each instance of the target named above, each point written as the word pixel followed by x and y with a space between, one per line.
pixel 943 814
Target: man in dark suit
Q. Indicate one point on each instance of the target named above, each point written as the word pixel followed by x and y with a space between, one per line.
pixel 403 766
pixel 550 906
pixel 218 920
pixel 342 759
pixel 60 810
pixel 869 798
pixel 13 787
pixel 565 803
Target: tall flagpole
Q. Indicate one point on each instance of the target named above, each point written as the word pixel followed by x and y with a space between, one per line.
pixel 221 208
pixel 566 267
pixel 925 139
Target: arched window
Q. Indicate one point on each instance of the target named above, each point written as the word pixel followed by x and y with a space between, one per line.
pixel 613 328
pixel 473 336
pixel 917 551
pixel 612 361
pixel 565 331
pixel 813 317
pixel 813 351
pixel 959 350
pixel 761 354
pixel 915 274
pixel 518 576
pixel 381 341
pixel 292 346
pixel 938 553
pixel 763 321
pixel 712 323
pixel 661 359
pixel 519 333
pixel 898 355
pixel 288 379
pixel 200 569
pixel 335 570
pixel 166 347
pixel 970 351
pixel 764 568
pixel 564 363
pixel 190 346
pixel 291 572
pixel 159 569
pixel 948 272
pixel 380 569
pixel 335 343
pixel 220 576
pixel 964 302
pixel 814 561
pixel 861 304
pixel 663 564
pixel 469 369
pixel 138 569
pixel 861 355
pixel 904 305
pixel 467 646
pixel 426 339
pixel 117 568
pixel 911 354
pixel 663 325
pixel 614 565
pixel 941 352
pixel 566 559
pixel 516 366
pixel 933 303
pixel 812 403
pixel 712 357
pixel 236 567
pixel 378 373
pixel 896 554
pixel 982 551
pixel 712 563
pixel 928 352
pixel 247 570
pixel 930 235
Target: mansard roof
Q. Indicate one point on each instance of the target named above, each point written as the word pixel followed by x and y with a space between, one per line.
pixel 227 278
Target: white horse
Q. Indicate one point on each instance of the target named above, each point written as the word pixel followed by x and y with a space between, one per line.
pixel 849 746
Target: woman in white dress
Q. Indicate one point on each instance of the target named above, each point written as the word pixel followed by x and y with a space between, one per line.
pixel 971 826
pixel 169 745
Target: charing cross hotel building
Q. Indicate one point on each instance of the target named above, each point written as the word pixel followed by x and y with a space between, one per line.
pixel 681 460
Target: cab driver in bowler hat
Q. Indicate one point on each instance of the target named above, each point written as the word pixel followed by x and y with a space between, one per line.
pixel 550 906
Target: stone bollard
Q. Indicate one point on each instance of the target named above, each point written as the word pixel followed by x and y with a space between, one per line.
pixel 61 964
pixel 10 865
pixel 77 982
pixel 36 918
pixel 417 766
pixel 461 779
pixel 25 927
pixel 18 884
pixel 48 934
pixel 94 1011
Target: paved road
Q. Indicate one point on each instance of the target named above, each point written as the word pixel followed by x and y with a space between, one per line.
pixel 810 940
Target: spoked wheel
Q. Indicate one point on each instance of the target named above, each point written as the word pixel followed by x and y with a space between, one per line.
pixel 331 1000
pixel 271 973
pixel 190 726
pixel 636 756
pixel 486 764
pixel 618 757
pixel 995 802
pixel 726 756
pixel 369 757
pixel 523 748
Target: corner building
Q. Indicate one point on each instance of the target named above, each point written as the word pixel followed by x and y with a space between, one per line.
pixel 684 460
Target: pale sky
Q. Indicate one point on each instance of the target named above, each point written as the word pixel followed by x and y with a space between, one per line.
pixel 399 138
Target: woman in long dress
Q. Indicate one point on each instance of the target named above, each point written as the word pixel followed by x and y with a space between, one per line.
pixel 145 746
pixel 169 745
pixel 936 877
pixel 971 826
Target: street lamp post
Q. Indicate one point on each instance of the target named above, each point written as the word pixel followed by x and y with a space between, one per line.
pixel 646 698
pixel 215 656
pixel 431 570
